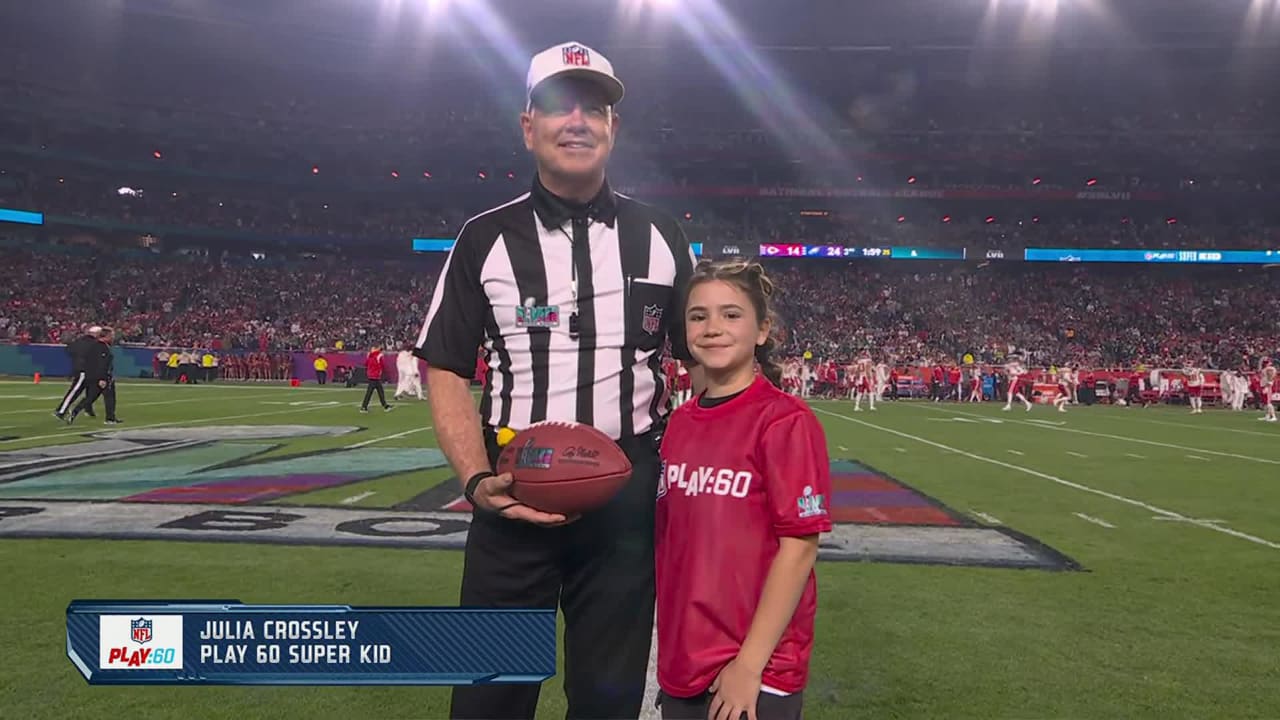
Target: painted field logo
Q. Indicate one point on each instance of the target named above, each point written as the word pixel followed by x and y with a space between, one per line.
pixel 810 505
pixel 217 483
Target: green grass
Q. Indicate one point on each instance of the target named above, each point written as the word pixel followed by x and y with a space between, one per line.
pixel 1166 619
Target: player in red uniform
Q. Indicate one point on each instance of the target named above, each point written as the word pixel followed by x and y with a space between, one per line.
pixel 1267 379
pixel 1065 379
pixel 1017 384
pixel 742 499
pixel 1195 389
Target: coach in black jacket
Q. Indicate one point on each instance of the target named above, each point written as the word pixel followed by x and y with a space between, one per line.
pixel 78 349
pixel 99 370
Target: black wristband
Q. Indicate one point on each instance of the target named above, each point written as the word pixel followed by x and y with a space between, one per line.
pixel 469 490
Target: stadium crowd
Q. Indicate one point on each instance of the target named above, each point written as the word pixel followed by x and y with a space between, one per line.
pixel 929 311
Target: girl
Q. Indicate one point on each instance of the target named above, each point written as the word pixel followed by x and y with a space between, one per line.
pixel 742 499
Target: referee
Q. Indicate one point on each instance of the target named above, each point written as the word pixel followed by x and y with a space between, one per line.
pixel 99 371
pixel 78 349
pixel 572 290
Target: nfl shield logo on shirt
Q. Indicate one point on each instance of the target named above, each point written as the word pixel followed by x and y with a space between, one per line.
pixel 577 56
pixel 810 505
pixel 652 319
pixel 141 630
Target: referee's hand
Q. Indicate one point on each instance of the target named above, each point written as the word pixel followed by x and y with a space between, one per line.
pixel 494 494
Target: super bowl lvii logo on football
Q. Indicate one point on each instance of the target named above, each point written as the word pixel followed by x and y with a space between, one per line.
pixel 140 642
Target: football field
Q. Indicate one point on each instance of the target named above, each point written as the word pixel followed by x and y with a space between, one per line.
pixel 1104 562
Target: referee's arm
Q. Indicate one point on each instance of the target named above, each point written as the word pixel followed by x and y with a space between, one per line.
pixel 449 341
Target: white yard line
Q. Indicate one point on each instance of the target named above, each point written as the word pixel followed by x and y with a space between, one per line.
pixel 388 437
pixel 357 498
pixel 70 432
pixel 136 404
pixel 1016 452
pixel 1076 454
pixel 1206 426
pixel 1197 457
pixel 1123 438
pixel 986 518
pixel 1094 520
pixel 1133 455
pixel 1060 481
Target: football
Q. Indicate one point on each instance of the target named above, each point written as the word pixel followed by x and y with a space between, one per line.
pixel 564 467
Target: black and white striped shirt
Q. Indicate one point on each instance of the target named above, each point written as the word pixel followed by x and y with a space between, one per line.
pixel 572 304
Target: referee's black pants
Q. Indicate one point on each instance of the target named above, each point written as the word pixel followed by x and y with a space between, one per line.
pixel 93 392
pixel 78 383
pixel 598 569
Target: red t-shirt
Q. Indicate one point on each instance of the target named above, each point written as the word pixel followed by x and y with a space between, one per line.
pixel 373 366
pixel 722 506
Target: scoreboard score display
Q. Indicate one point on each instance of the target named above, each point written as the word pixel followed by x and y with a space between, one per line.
pixel 229 642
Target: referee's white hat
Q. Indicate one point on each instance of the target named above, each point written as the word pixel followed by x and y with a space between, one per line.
pixel 573 59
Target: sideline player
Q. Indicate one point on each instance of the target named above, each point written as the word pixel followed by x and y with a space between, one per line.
pixel 975 383
pixel 1267 380
pixel 1195 389
pixel 408 379
pixel 1017 382
pixel 862 371
pixel 1064 389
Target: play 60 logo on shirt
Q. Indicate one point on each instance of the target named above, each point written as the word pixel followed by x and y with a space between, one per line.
pixel 140 642
pixel 704 481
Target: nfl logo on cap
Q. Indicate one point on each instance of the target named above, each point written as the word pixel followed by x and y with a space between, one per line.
pixel 573 59
pixel 576 55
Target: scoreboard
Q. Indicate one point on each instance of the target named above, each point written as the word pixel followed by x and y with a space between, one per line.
pixel 798 250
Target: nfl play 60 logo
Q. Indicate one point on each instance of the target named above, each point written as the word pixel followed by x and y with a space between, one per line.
pixel 140 642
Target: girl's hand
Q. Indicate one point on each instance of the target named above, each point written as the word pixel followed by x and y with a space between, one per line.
pixel 737 689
